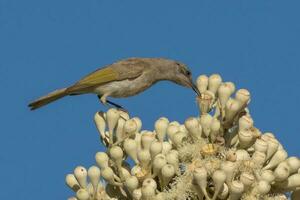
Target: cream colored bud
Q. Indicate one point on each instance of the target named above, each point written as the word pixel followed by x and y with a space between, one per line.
pixel 261 146
pixel 130 148
pixel 183 129
pixel 228 167
pixel 131 183
pixel 94 175
pixel 242 154
pixel 137 194
pixel 155 148
pixel 202 83
pixel 158 163
pixel 219 178
pixel 214 82
pixel 178 138
pixel 83 194
pixel 291 183
pixel 99 120
pixel 166 147
pixel 236 189
pixel 267 175
pixel 108 175
pixel 273 145
pixel 232 108
pixel 277 158
pixel 161 126
pixel 193 126
pixel 147 138
pixel 72 182
pixel 116 154
pixel 205 121
pixel 148 193
pixel 243 96
pixel 224 193
pixel 206 101
pixel 224 92
pixel 81 176
pixel 259 158
pixel 176 123
pixel 247 179
pixel 139 123
pixel 130 127
pixel 245 139
pixel 151 182
pixel 281 173
pixel 171 130
pixel 215 129
pixel 112 117
pixel 200 178
pixel 245 123
pixel 263 187
pixel 144 158
pixel 293 163
pixel 167 172
pixel 120 134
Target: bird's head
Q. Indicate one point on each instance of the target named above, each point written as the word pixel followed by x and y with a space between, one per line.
pixel 183 76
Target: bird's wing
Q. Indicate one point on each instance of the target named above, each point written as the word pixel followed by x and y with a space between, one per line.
pixel 125 69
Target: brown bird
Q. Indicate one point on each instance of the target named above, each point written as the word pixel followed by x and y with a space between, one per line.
pixel 123 79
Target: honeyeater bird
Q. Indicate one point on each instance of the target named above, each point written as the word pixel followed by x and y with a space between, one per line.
pixel 123 79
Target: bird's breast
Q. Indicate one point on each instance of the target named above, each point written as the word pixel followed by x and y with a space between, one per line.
pixel 124 88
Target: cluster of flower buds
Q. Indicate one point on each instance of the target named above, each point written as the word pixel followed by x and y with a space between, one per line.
pixel 219 154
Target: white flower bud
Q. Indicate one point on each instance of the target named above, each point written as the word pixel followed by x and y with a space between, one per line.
pixel 247 179
pixel 261 146
pixel 72 182
pixel 83 194
pixel 120 134
pixel 236 189
pixel 243 96
pixel 281 173
pixel 137 194
pixel 155 148
pixel 94 175
pixel 214 129
pixel 205 121
pixel 193 126
pixel 130 127
pixel 202 83
pixel 108 175
pixel 131 183
pixel 232 108
pixel 148 192
pixel 116 154
pixel 292 182
pixel 219 178
pixel 166 147
pixel 151 182
pixel 167 172
pixel 178 138
pixel 161 126
pixel 144 158
pixel 245 123
pixel 245 139
pixel 81 176
pixel 147 138
pixel 267 175
pixel 158 163
pixel 99 120
pixel 278 157
pixel 200 178
pixel 228 167
pixel 242 154
pixel 139 124
pixel 171 130
pixel 224 92
pixel 102 159
pixel 112 117
pixel 259 158
pixel 224 193
pixel 293 163
pixel 263 187
pixel 206 101
pixel 214 82
pixel 130 148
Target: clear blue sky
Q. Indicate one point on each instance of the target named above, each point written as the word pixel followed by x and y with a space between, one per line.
pixel 45 45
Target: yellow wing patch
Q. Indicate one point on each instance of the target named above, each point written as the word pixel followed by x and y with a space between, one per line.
pixel 96 78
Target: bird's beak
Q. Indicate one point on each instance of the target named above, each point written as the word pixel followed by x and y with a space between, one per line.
pixel 194 87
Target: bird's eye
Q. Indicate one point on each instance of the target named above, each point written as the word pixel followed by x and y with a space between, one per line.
pixel 188 73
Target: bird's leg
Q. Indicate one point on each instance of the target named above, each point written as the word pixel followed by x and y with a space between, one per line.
pixel 105 101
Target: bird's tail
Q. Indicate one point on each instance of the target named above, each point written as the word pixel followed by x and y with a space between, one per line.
pixel 44 100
